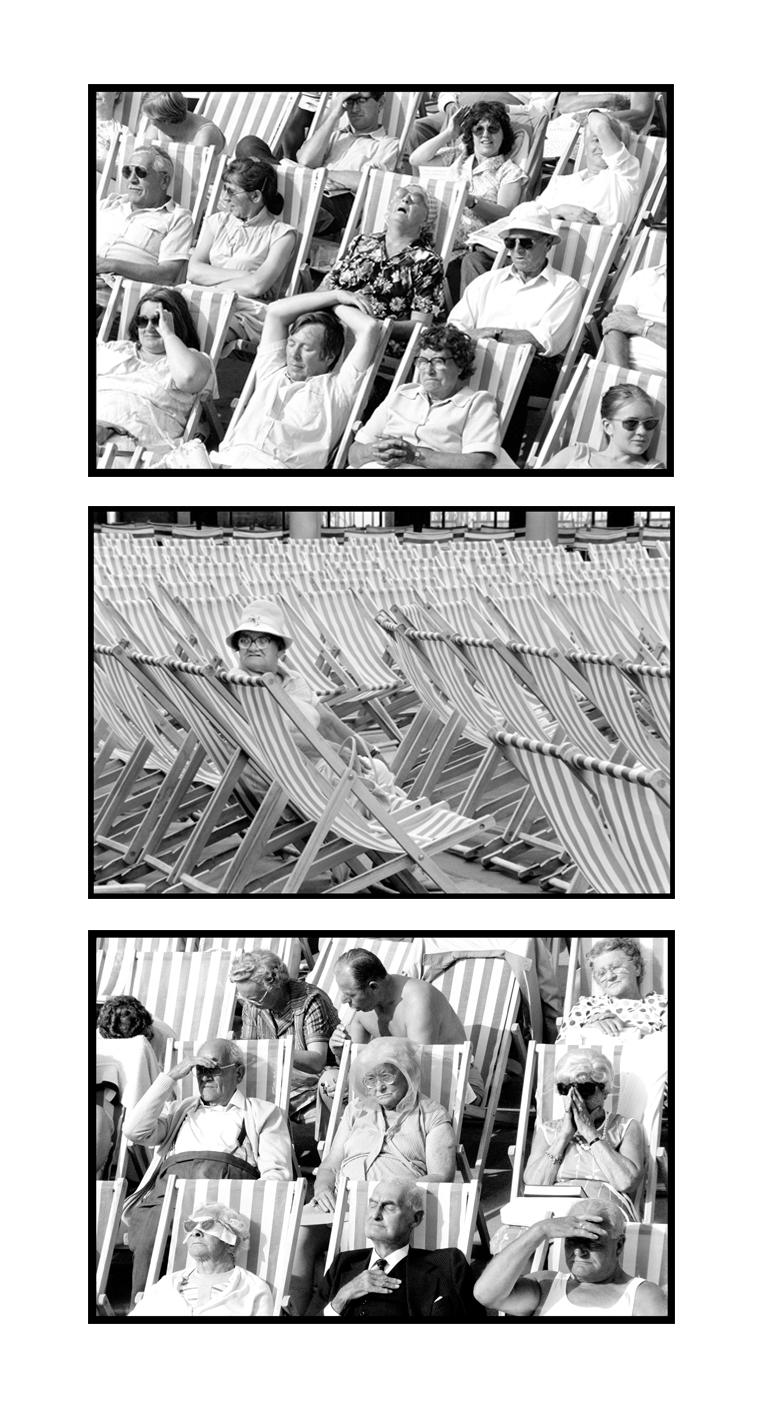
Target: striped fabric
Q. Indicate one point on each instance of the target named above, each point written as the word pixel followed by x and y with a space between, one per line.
pixel 301 189
pixel 450 1214
pixel 443 1077
pixel 191 993
pixel 655 684
pixel 267 1066
pixel 274 1210
pixel 587 427
pixel 114 965
pixel 241 112
pixel 597 628
pixel 485 995
pixel 109 1203
pixel 516 705
pixel 286 947
pixel 397 956
pixel 609 690
pixel 639 824
pixel 209 308
pixel 380 188
pixel 562 699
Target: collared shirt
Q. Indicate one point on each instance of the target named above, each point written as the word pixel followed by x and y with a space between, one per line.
pixel 244 245
pixel 485 177
pixel 467 422
pixel 349 151
pixel 391 1260
pixel 140 395
pixel 548 306
pixel 646 292
pixel 148 236
pixel 611 193
pixel 294 425
pixel 215 1128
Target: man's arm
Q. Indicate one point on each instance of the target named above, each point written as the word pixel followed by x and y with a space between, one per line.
pixel 165 273
pixel 650 1302
pixel 143 1122
pixel 312 153
pixel 274 1157
pixel 601 125
pixel 365 329
pixel 623 322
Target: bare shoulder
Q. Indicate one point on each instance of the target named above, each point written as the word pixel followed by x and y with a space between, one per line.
pixel 650 1301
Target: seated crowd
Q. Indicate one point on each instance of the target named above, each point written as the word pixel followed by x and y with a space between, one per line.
pixel 390 1134
pixel 304 351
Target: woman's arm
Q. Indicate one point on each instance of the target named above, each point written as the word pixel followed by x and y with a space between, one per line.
pixel 441 1153
pixel 423 154
pixel 311 1059
pixel 545 1160
pixel 508 197
pixel 621 1168
pixel 254 283
pixel 190 369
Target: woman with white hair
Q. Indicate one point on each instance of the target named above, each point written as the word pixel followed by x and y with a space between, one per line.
pixel 617 1004
pixel 211 1285
pixel 588 1146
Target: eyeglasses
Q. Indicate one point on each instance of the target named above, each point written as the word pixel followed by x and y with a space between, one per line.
pixel 375 1080
pixel 143 320
pixel 254 641
pixel 491 128
pixel 140 171
pixel 584 1089
pixel 435 366
pixel 620 967
pixel 526 243
pixel 355 99
pixel 632 423
pixel 207 1224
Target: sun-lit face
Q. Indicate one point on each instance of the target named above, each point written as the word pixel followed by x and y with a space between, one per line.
pixel 145 185
pixel 408 211
pixel 628 431
pixel 438 374
pixel 390 1220
pixel 151 341
pixel 386 1085
pixel 527 251
pixel 616 975
pixel 592 1261
pixel 356 996
pixel 305 354
pixel 487 137
pixel 237 202
pixel 258 652
pixel 218 1081
pixel 362 110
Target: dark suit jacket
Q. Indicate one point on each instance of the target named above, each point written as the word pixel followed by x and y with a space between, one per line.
pixel 439 1284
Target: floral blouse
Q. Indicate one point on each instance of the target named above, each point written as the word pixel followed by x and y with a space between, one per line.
pixel 398 286
pixel 485 178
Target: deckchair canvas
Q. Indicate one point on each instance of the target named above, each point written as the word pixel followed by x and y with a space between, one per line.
pixel 449 1220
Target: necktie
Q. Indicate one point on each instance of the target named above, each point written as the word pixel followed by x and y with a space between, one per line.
pixel 380 1264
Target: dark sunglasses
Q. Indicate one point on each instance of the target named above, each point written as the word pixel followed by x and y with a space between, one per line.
pixel 584 1089
pixel 140 171
pixel 143 320
pixel 214 1072
pixel 526 243
pixel 632 423
pixel 190 1225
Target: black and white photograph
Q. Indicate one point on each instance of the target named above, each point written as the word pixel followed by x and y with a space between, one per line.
pixel 450 1128
pixel 435 279
pixel 381 703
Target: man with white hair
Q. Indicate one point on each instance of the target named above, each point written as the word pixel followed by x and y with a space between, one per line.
pixel 141 233
pixel 211 1285
pixel 392 1281
pixel 221 1134
pixel 595 1287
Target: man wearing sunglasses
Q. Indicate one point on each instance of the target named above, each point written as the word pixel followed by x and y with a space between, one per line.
pixel 219 1134
pixel 211 1284
pixel 349 138
pixel 141 233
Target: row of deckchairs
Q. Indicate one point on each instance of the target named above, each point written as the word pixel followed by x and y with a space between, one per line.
pixel 163 972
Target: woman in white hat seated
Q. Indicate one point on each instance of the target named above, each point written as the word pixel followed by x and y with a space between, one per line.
pixel 436 421
pixel 211 1285
pixel 260 640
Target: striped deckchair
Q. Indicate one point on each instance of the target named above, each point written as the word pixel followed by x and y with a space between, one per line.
pixel 377 191
pixel 577 419
pixel 612 821
pixel 267 1067
pixel 192 993
pixel 128 110
pixel 654 681
pixel 109 1204
pixel 288 948
pixel 449 1220
pixel 564 697
pixel 273 1208
pixel 609 690
pixel 632 1095
pixel 193 168
pixel 244 112
pixel 301 189
pixel 579 981
pixel 500 369
pixel 397 114
pixel 403 956
pixel 645 1252
pixel 114 965
pixel 444 1075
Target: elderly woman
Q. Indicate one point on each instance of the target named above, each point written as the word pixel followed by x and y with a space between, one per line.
pixel 436 421
pixel 167 110
pixel 243 247
pixel 276 1006
pixel 211 1285
pixel 630 418
pixel 496 183
pixel 147 385
pixel 123 1016
pixel 606 190
pixel 617 1005
pixel 595 1287
pixel 388 1129
pixel 602 1151
pixel 396 270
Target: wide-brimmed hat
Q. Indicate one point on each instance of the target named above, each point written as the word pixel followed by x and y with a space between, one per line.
pixel 537 222
pixel 261 616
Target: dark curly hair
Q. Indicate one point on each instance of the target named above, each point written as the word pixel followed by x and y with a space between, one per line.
pixel 172 301
pixel 123 1016
pixel 458 345
pixel 488 109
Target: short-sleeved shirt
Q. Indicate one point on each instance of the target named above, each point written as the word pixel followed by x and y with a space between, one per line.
pixel 611 193
pixel 244 245
pixel 148 236
pixel 646 292
pixel 309 1017
pixel 348 151
pixel 468 422
pixel 485 178
pixel 291 425
pixel 548 306
pixel 398 287
pixel 140 396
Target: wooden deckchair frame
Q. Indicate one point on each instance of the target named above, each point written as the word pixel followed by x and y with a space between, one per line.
pixel 351 1207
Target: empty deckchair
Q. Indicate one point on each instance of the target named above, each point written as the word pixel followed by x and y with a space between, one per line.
pixel 288 948
pixel 114 965
pixel 242 112
pixel 610 690
pixel 449 1220
pixel 109 1204
pixel 191 993
pixel 273 1208
pixel 267 1067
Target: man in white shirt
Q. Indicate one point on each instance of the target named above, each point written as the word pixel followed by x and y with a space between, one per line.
pixel 636 329
pixel 349 138
pixel 220 1134
pixel 526 302
pixel 303 396
pixel 142 234
pixel 392 1282
pixel 606 190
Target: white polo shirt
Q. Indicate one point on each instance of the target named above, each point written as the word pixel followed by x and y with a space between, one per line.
pixel 148 236
pixel 611 194
pixel 549 306
pixel 646 292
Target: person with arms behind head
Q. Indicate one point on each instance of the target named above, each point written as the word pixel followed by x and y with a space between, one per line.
pixel 349 138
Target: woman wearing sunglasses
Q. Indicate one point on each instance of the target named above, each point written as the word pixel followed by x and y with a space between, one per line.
pixel 588 1145
pixel 211 1284
pixel 147 384
pixel 630 418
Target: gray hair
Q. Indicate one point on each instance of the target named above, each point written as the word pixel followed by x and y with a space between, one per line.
pixel 609 1211
pixel 625 943
pixel 232 1052
pixel 265 962
pixel 161 160
pixel 585 1060
pixel 230 1219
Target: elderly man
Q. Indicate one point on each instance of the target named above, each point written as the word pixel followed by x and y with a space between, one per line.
pixel 276 1006
pixel 142 233
pixel 636 328
pixel 349 138
pixel 221 1134
pixel 526 302
pixel 595 1287
pixel 393 1282
pixel 607 189
pixel 211 1285
pixel 303 395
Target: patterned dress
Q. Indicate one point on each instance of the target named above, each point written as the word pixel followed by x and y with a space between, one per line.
pixel 398 287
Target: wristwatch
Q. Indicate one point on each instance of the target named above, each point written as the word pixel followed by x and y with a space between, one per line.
pixel 646 327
